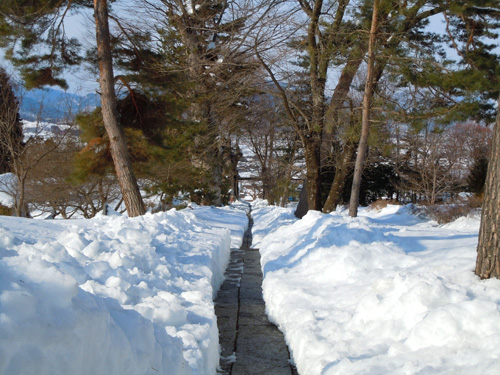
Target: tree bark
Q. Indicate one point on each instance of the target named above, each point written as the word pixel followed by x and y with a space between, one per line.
pixel 318 68
pixel 313 176
pixel 119 152
pixel 338 183
pixel 365 122
pixel 488 248
pixel 338 98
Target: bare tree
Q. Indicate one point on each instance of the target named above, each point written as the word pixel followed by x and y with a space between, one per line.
pixel 24 159
pixel 13 149
pixel 267 134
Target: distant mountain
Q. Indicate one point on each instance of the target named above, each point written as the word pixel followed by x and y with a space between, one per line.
pixel 52 105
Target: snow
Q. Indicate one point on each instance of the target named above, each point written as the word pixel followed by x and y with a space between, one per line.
pixel 384 293
pixel 44 130
pixel 8 183
pixel 114 295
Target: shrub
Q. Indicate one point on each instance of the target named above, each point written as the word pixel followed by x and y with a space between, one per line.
pixel 446 213
pixel 5 211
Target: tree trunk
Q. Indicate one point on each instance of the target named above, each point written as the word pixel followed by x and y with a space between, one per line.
pixel 119 152
pixel 365 122
pixel 488 248
pixel 217 180
pixel 338 98
pixel 338 183
pixel 20 204
pixel 313 176
pixel 312 137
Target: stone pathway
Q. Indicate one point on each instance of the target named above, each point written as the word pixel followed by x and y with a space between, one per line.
pixel 250 344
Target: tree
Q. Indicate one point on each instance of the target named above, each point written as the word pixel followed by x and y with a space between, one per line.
pixel 161 148
pixel 477 176
pixel 119 152
pixel 40 27
pixel 471 26
pixel 365 124
pixel 217 69
pixel 25 157
pixel 432 166
pixel 11 131
pixel 488 248
pixel 12 148
pixel 267 134
pixel 332 39
pixel 308 114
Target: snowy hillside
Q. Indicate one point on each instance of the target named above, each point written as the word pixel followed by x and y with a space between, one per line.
pixel 385 293
pixel 46 130
pixel 54 105
pixel 114 295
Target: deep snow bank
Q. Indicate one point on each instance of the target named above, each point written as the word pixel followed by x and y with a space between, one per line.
pixel 114 295
pixel 385 293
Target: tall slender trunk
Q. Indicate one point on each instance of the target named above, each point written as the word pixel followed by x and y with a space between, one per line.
pixel 338 98
pixel 365 122
pixel 488 248
pixel 119 152
pixel 312 139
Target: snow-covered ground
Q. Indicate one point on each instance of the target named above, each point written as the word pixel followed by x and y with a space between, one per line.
pixel 384 293
pixel 114 295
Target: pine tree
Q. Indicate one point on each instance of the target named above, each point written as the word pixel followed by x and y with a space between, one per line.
pixel 336 38
pixel 218 70
pixel 365 124
pixel 39 26
pixel 11 131
pixel 472 25
pixel 477 176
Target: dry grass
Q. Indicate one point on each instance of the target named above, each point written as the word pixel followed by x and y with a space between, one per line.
pixel 382 203
pixel 5 211
pixel 446 213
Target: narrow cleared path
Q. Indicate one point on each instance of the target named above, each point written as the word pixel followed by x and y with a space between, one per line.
pixel 250 344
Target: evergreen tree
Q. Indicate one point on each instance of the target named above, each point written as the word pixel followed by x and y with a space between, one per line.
pixel 472 27
pixel 193 65
pixel 477 176
pixel 160 146
pixel 336 37
pixel 218 70
pixel 11 131
pixel 39 26
pixel 34 36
